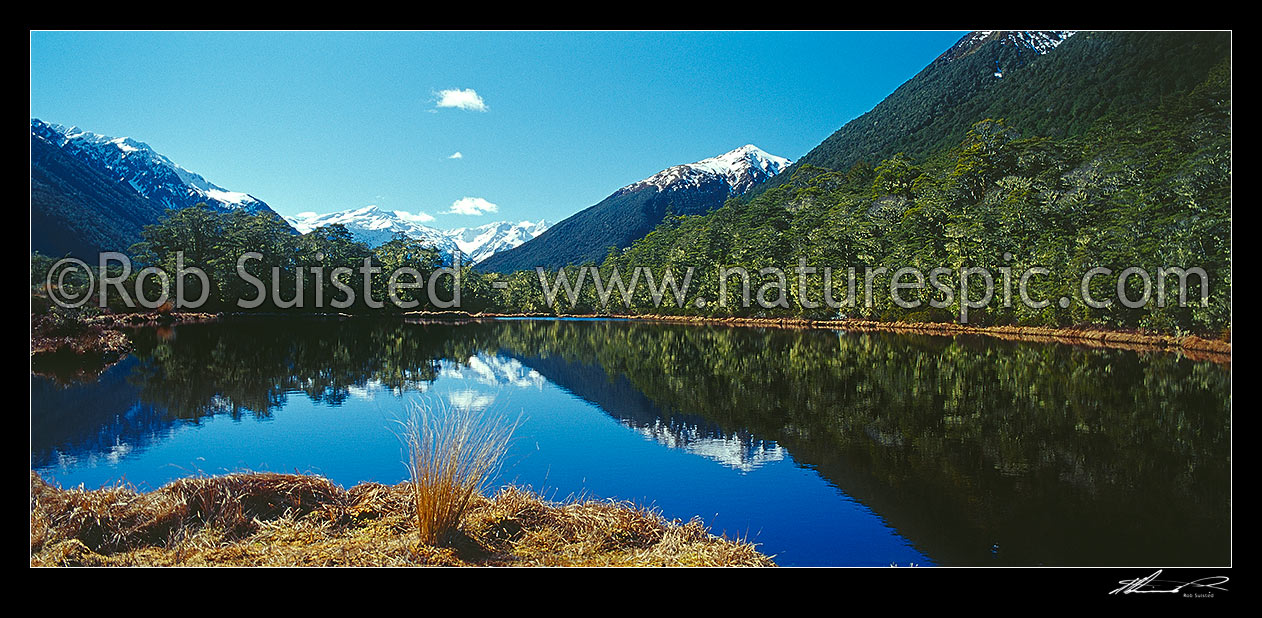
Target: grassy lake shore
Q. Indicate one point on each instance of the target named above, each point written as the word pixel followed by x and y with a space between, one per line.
pixel 264 519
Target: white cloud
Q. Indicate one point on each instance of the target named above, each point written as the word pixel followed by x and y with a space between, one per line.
pixel 466 99
pixel 471 206
pixel 306 215
pixel 470 401
pixel 419 217
pixel 456 155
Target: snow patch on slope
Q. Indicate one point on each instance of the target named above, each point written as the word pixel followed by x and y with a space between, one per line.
pixel 740 169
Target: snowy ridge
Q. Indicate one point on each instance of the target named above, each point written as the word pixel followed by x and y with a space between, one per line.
pixel 1038 41
pixel 739 169
pixel 151 174
pixel 373 226
pixel 479 243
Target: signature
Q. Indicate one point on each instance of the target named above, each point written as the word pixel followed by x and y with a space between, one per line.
pixel 1152 584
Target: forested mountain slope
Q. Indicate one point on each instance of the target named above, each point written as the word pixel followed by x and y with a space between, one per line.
pixel 1149 189
pixel 1058 93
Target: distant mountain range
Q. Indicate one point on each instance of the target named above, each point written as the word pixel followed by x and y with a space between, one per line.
pixel 634 210
pixel 92 193
pixel 483 241
pixel 373 226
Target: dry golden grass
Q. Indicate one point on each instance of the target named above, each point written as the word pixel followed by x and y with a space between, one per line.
pixel 452 454
pixel 297 520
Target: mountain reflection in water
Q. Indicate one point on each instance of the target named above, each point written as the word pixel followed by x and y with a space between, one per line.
pixel 831 448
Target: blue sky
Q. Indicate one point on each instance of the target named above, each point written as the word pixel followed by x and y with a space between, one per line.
pixel 555 122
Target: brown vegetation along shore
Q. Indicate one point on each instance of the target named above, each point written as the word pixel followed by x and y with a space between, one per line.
pixel 151 318
pixel 88 346
pixel 69 347
pixel 1192 346
pixel 263 519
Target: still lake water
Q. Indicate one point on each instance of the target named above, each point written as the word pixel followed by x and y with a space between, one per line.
pixel 826 448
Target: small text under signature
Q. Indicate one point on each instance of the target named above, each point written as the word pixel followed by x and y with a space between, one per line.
pixel 1152 584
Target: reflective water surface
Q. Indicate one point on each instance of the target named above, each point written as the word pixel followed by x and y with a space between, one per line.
pixel 826 448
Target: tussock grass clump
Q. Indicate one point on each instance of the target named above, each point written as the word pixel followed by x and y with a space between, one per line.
pixel 452 455
pixel 440 517
pixel 298 520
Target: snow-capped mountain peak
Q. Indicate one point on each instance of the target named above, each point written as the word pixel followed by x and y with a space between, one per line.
pixel 151 174
pixel 739 169
pixel 733 163
pixel 633 211
pixel 479 243
pixel 373 226
pixel 1038 41
pixel 368 218
pixel 1041 41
